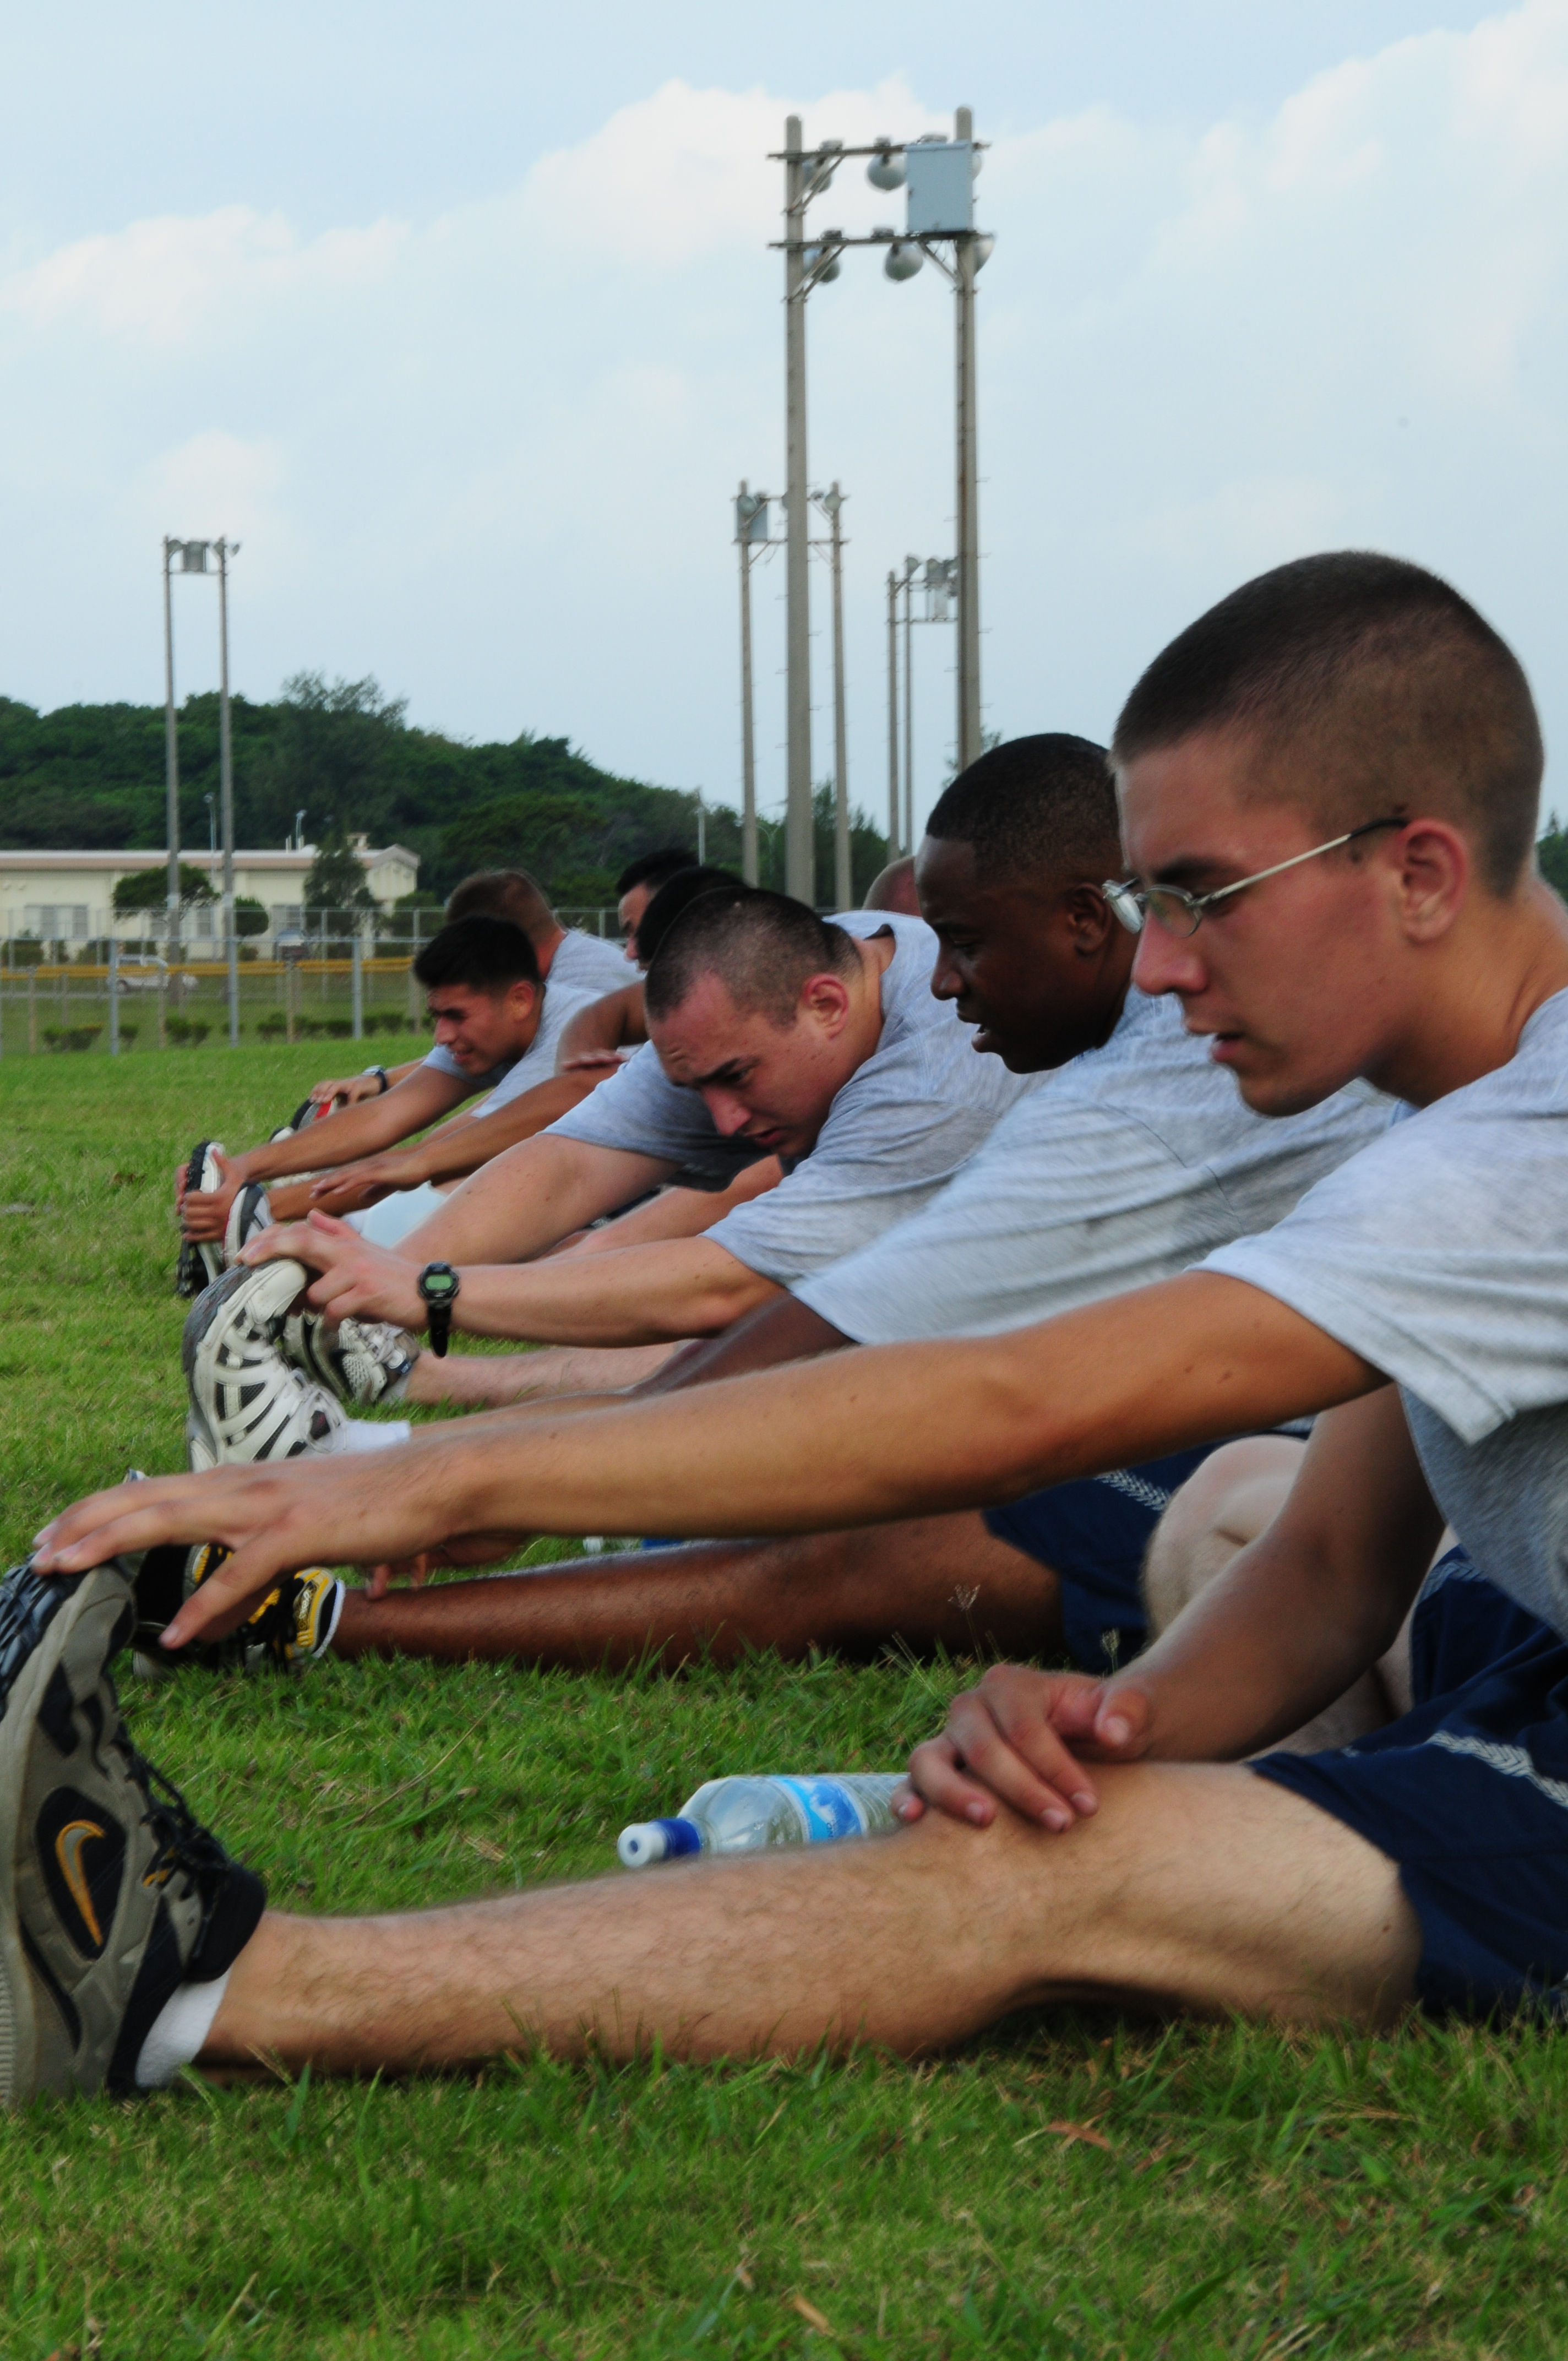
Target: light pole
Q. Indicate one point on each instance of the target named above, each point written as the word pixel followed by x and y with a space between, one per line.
pixel 894 846
pixel 831 503
pixel 750 539
pixel 804 177
pixel 172 735
pixel 939 178
pixel 226 550
pixel 911 568
pixel 939 577
pixel 193 559
pixel 967 260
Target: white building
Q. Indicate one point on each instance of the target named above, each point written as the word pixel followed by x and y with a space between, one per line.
pixel 67 897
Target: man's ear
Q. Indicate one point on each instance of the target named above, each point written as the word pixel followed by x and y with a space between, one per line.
pixel 1088 917
pixel 825 997
pixel 1433 867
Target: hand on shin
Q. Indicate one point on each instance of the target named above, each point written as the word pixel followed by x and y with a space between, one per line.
pixel 1019 1739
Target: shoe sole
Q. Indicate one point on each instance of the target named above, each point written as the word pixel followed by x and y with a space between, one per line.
pixel 276 1284
pixel 190 1272
pixel 250 1214
pixel 102 1590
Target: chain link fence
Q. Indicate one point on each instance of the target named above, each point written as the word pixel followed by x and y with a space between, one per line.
pixel 330 985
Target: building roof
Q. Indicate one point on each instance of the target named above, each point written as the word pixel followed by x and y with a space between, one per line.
pixel 63 863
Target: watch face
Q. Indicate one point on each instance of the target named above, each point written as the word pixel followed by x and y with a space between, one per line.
pixel 435 1285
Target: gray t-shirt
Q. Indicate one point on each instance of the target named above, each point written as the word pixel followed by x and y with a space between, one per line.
pixel 1124 1167
pixel 1440 1254
pixel 895 1133
pixel 583 969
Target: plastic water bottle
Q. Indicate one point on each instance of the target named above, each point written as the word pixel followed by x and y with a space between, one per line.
pixel 740 1815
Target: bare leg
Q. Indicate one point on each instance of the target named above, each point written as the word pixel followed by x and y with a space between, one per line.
pixel 1226 1504
pixel 1195 1883
pixel 937 1580
pixel 496 1380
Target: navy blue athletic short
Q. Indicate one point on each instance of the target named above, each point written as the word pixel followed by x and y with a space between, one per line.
pixel 1468 1793
pixel 1094 1533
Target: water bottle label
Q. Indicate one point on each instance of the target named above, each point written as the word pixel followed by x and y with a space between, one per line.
pixel 827 1807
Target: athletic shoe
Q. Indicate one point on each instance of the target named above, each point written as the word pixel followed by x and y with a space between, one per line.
pixel 303 1113
pixel 292 1627
pixel 359 1360
pixel 111 1895
pixel 250 1214
pixel 246 1403
pixel 200 1259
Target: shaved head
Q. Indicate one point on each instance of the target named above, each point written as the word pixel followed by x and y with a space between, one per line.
pixel 1371 689
pixel 763 947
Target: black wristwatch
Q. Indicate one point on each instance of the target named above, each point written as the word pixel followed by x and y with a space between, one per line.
pixel 439 1287
pixel 385 1079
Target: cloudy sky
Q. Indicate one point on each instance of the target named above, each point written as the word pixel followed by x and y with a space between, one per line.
pixel 463 321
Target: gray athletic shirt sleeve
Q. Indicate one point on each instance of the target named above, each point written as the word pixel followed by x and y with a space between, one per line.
pixel 1124 1167
pixel 896 1132
pixel 1440 1254
pixel 584 968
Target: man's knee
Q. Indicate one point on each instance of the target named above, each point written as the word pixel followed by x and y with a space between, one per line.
pixel 1223 1506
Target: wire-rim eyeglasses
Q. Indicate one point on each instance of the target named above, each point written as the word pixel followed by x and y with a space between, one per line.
pixel 1180 913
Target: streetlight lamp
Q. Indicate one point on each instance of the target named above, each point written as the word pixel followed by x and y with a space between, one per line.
pixel 192 558
pixel 938 177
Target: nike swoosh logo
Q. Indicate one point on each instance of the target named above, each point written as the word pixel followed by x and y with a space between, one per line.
pixel 68 1847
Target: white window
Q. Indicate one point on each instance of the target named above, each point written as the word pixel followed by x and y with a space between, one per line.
pixel 288 917
pixel 57 922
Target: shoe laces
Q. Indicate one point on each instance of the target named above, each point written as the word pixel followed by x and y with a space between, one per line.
pixel 183 1843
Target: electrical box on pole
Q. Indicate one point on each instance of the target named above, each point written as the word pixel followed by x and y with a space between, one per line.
pixel 941 188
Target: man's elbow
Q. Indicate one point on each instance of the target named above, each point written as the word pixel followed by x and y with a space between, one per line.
pixel 720 1302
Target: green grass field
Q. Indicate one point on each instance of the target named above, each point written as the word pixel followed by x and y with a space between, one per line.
pixel 1071 2186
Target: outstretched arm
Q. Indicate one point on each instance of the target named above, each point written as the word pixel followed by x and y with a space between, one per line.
pixel 357 1131
pixel 528 1197
pixel 454 1150
pixel 602 1027
pixel 642 1295
pixel 1292 1622
pixel 894 1430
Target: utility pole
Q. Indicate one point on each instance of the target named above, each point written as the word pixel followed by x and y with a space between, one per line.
pixel 225 550
pixel 966 260
pixel 799 851
pixel 748 725
pixel 170 754
pixel 843 871
pixel 751 536
pixel 910 566
pixel 894 833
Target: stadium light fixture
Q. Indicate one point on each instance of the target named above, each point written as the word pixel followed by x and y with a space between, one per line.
pixel 937 175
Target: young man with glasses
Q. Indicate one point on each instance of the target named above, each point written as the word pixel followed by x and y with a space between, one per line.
pixel 1071 1837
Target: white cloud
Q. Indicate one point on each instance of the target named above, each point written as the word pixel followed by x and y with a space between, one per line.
pixel 489 455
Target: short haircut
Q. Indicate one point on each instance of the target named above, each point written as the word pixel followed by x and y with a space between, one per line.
pixel 654 869
pixel 763 947
pixel 893 888
pixel 505 894
pixel 1034 810
pixel 671 899
pixel 1386 690
pixel 481 952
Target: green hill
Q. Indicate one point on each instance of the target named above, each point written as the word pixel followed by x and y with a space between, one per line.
pixel 91 776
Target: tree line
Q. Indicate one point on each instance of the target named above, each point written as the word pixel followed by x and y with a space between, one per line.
pixel 91 777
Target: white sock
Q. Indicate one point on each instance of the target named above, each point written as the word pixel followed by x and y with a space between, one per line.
pixel 368 1435
pixel 178 2031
